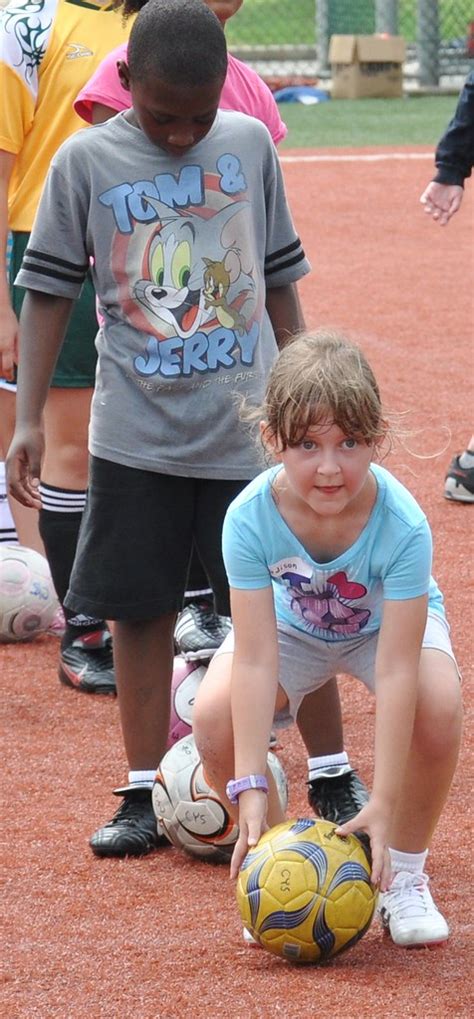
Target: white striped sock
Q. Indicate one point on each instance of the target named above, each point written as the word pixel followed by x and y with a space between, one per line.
pixel 62 500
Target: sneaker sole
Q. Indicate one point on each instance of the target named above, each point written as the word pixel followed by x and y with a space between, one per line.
pixel 416 944
pixel 83 686
pixel 105 852
pixel 436 943
pixel 459 498
pixel 107 849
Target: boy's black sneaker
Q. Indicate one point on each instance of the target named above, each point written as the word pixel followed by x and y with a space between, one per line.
pixel 459 481
pixel 87 664
pixel 337 798
pixel 133 830
pixel 199 631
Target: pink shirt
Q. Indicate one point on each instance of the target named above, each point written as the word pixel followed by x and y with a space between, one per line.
pixel 244 91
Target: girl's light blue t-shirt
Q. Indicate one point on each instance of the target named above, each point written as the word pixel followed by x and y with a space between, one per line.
pixel 391 559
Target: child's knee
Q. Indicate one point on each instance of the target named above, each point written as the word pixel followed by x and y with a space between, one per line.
pixel 439 711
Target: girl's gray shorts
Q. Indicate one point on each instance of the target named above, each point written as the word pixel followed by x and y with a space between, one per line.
pixel 306 663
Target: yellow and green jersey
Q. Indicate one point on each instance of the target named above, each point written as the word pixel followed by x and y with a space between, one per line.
pixel 48 51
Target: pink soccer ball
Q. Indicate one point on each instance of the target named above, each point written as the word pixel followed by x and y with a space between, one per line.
pixel 28 601
pixel 186 679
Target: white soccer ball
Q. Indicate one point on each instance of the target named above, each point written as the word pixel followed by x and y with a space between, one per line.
pixel 190 812
pixel 28 601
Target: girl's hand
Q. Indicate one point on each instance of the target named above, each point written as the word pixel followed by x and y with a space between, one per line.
pixel 252 824
pixel 374 820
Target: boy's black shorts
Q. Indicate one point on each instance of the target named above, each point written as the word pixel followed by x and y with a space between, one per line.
pixel 136 535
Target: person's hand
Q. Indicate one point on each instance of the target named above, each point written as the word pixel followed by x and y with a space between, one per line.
pixel 252 824
pixel 23 465
pixel 441 201
pixel 8 342
pixel 374 820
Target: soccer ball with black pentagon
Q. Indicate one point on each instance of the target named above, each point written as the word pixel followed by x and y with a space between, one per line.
pixel 190 812
pixel 304 893
pixel 28 601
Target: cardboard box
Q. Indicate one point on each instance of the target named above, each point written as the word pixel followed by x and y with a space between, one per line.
pixel 366 66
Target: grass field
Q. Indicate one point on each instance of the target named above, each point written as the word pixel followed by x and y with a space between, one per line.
pixel 364 122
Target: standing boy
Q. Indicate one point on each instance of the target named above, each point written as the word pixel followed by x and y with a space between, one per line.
pixel 195 255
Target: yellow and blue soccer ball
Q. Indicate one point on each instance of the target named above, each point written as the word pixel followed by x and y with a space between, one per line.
pixel 304 893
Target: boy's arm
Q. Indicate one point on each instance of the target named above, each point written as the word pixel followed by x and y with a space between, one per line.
pixel 454 157
pixel 396 684
pixel 8 320
pixel 454 160
pixel 285 312
pixel 43 323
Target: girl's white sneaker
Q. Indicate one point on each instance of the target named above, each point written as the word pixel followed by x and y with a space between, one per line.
pixel 408 912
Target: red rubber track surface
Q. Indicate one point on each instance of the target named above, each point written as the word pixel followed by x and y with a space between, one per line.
pixel 160 936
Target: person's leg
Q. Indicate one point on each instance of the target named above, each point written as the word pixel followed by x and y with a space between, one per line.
pixel 25 520
pixel 407 909
pixel 140 585
pixel 64 478
pixel 203 624
pixel 143 655
pixel 335 790
pixel 85 659
pixel 199 629
pixel 212 728
pixel 143 658
pixel 433 754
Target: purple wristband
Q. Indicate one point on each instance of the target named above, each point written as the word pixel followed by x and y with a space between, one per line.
pixel 236 786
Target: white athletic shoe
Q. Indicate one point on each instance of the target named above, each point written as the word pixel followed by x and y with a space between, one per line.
pixel 408 912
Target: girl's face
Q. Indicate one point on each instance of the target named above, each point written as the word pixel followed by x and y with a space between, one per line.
pixel 328 469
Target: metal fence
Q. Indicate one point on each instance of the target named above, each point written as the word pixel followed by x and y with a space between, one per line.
pixel 289 39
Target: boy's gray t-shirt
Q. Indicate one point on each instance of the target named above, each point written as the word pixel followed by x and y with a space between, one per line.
pixel 182 249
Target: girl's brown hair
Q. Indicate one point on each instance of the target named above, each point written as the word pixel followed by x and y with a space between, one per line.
pixel 320 377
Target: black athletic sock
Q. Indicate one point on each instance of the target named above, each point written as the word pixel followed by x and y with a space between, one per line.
pixel 59 523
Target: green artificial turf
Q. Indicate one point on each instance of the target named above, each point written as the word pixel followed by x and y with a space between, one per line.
pixel 364 122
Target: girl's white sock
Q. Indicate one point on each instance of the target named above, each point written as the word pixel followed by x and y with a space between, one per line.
pixel 413 862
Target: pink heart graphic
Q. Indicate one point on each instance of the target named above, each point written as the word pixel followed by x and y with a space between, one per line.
pixel 347 588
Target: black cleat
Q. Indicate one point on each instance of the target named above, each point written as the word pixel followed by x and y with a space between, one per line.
pixel 338 798
pixel 87 664
pixel 133 830
pixel 199 632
